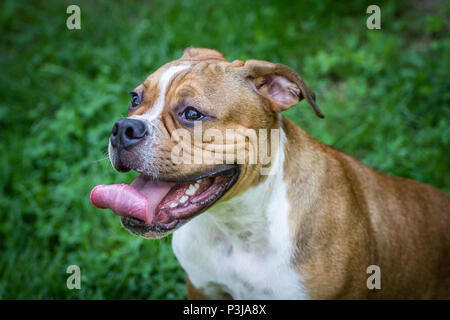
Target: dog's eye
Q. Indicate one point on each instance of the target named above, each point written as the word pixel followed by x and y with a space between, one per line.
pixel 135 100
pixel 192 114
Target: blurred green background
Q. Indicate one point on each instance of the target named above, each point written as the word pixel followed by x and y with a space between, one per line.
pixel 385 94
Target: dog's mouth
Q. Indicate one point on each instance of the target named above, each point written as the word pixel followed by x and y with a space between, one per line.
pixel 159 206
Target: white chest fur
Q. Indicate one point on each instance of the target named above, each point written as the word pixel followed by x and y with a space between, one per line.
pixel 242 248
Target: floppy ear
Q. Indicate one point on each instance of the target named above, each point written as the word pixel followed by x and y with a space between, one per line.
pixel 201 53
pixel 280 84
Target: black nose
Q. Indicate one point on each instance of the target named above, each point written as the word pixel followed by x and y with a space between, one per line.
pixel 127 132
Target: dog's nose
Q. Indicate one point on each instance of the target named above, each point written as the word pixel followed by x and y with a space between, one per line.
pixel 128 132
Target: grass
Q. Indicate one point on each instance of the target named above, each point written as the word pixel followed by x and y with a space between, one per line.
pixel 385 94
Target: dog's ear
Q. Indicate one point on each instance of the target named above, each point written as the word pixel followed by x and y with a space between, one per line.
pixel 201 54
pixel 280 84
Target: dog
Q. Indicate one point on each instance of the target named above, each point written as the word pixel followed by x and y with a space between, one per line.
pixel 312 226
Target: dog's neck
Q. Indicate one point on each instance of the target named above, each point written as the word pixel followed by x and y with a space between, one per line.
pixel 252 219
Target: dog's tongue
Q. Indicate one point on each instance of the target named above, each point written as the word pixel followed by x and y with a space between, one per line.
pixel 138 200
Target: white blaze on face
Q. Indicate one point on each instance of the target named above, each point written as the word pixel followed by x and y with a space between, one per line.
pixel 154 112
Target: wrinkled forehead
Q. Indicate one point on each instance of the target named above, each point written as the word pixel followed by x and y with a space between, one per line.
pixel 165 74
pixel 157 85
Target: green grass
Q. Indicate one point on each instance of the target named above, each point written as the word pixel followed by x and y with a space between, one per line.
pixel 385 94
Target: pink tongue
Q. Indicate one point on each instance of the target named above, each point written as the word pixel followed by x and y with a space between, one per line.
pixel 138 200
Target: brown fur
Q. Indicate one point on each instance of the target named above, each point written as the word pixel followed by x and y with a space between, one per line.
pixel 192 292
pixel 348 216
pixel 345 216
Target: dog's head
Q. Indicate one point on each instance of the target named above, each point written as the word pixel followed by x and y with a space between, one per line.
pixel 195 132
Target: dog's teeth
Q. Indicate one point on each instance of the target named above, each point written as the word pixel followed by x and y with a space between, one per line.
pixel 173 205
pixel 183 199
pixel 192 189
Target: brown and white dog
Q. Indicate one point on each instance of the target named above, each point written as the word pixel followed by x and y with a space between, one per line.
pixel 307 230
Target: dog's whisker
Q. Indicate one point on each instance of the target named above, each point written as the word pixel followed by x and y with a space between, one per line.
pixel 101 159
